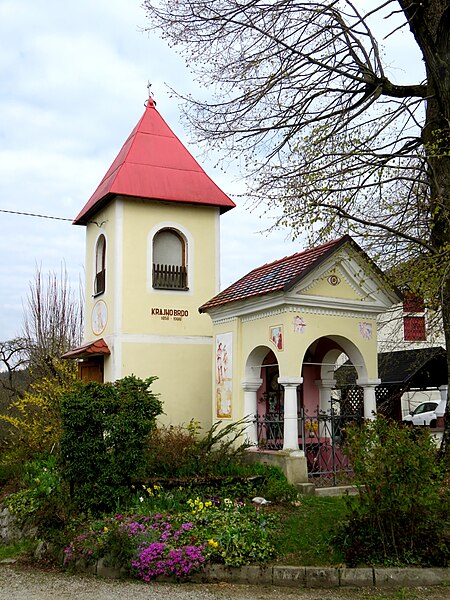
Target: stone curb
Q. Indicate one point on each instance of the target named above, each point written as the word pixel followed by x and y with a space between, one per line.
pixel 302 577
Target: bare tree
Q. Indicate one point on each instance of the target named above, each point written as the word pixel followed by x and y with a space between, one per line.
pixel 302 91
pixel 13 364
pixel 53 321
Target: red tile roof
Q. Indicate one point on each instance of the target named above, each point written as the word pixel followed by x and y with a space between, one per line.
pixel 95 348
pixel 280 275
pixel 154 164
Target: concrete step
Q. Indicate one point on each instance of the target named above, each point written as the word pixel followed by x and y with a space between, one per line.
pixel 339 490
pixel 309 489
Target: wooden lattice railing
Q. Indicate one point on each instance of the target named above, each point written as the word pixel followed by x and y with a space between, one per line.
pixel 172 277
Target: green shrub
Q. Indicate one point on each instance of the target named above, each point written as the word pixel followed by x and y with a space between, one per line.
pixel 105 431
pixel 42 503
pixel 171 451
pixel 273 485
pixel 182 452
pixel 402 515
pixel 11 470
pixel 210 465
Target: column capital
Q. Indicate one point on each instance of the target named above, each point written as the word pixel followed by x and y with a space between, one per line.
pixel 364 382
pixel 290 381
pixel 252 384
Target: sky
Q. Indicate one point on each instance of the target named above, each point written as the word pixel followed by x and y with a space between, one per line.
pixel 73 82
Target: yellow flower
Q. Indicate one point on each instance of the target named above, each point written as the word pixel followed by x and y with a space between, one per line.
pixel 105 529
pixel 213 543
pixel 156 487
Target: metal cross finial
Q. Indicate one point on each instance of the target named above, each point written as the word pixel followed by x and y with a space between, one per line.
pixel 150 96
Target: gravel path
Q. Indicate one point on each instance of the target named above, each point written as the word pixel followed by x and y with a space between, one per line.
pixel 17 583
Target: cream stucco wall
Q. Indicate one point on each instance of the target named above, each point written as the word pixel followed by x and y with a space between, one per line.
pixel 105 224
pixel 333 309
pixel 150 331
pixel 251 332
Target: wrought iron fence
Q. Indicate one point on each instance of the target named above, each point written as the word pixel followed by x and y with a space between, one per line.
pixel 270 431
pixel 322 437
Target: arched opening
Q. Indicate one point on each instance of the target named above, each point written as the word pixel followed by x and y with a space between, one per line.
pixel 328 407
pixel 265 397
pixel 331 362
pixel 100 266
pixel 270 407
pixel 169 260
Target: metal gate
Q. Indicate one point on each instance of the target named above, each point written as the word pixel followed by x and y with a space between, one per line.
pixel 321 437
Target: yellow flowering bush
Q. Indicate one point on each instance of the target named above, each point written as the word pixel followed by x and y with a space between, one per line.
pixel 34 420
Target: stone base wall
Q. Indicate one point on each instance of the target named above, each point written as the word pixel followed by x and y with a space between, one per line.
pixel 297 577
pixel 10 532
pixel 293 464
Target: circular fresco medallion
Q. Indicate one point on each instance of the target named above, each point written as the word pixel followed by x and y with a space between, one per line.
pixel 99 317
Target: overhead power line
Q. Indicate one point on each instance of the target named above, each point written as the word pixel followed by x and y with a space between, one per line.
pixel 15 212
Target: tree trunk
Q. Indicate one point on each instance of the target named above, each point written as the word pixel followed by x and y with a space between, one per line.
pixel 430 25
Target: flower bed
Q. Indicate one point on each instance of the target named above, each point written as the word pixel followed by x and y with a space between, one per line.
pixel 148 546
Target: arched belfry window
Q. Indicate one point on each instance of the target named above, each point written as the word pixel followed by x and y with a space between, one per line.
pixel 100 266
pixel 169 260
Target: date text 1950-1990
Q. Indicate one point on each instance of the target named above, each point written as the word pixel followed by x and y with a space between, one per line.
pixel 169 313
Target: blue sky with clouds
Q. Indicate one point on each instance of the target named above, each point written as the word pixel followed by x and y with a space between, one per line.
pixel 73 79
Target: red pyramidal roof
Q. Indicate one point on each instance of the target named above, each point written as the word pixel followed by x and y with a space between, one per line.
pixel 154 164
pixel 278 276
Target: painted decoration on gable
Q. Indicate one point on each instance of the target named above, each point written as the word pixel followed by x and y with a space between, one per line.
pixel 276 336
pixel 99 317
pixel 365 329
pixel 333 280
pixel 224 375
pixel 299 324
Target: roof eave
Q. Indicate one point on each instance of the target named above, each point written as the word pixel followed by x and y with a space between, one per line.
pixel 319 260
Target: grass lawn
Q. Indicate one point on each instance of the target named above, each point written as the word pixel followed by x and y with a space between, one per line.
pixel 304 534
pixel 16 550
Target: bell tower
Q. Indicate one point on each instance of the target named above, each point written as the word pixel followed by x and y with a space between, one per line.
pixel 152 259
